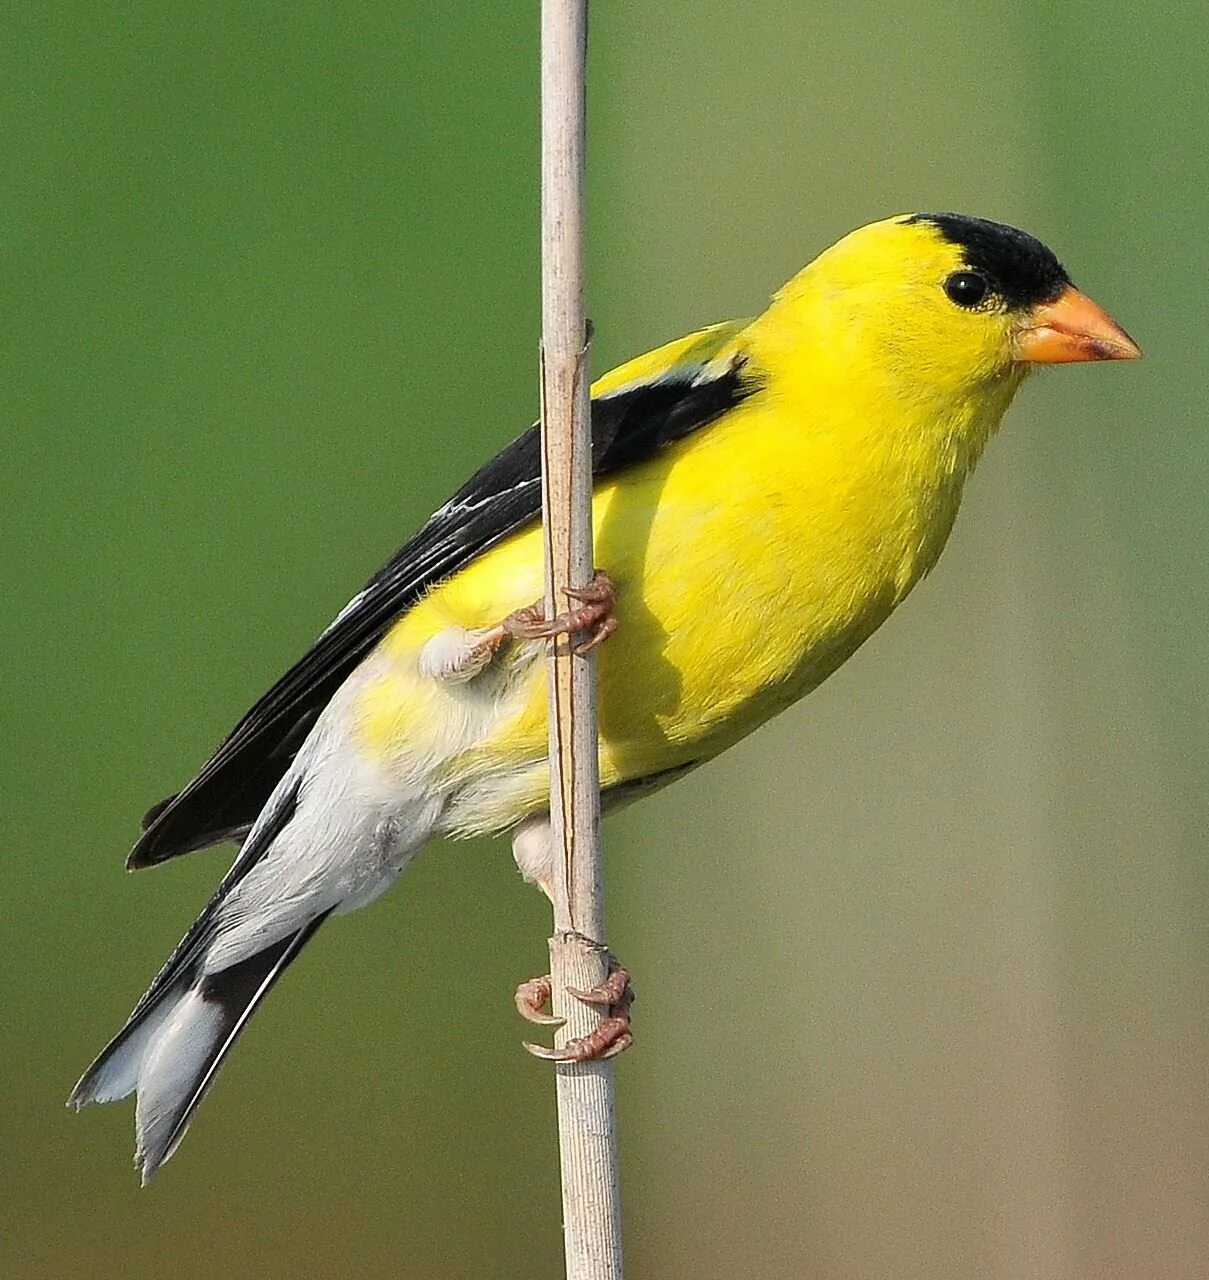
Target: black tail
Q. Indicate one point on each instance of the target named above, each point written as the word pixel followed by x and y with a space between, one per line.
pixel 183 1059
pixel 185 1025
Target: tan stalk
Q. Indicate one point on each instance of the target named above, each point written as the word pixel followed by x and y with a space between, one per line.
pixel 587 1126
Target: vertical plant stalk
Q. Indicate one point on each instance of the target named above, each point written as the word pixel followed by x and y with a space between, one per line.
pixel 587 1127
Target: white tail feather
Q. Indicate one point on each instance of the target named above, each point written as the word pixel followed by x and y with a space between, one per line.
pixel 182 1047
pixel 118 1075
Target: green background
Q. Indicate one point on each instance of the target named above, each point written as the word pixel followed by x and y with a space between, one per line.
pixel 922 964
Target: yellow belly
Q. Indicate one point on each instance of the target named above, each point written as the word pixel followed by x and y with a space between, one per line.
pixel 750 563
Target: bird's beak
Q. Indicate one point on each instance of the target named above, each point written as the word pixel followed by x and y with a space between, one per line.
pixel 1072 328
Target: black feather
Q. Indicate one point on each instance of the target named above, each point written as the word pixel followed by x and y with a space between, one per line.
pixel 236 991
pixel 180 969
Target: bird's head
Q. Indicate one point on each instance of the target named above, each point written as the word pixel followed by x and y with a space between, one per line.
pixel 946 302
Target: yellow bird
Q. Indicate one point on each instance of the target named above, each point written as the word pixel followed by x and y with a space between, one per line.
pixel 766 492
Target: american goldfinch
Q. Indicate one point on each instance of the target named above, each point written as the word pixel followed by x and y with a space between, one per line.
pixel 766 492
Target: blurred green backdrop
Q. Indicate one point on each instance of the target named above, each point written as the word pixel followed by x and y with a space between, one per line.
pixel 922 965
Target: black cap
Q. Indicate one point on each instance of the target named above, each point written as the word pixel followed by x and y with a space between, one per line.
pixel 1022 270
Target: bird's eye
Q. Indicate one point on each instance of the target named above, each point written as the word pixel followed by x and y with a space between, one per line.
pixel 967 288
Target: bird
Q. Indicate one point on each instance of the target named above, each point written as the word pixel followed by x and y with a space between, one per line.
pixel 765 493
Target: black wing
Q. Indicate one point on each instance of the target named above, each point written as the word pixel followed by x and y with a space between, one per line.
pixel 233 786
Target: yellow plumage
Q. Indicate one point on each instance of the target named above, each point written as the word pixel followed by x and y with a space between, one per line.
pixel 752 558
pixel 767 492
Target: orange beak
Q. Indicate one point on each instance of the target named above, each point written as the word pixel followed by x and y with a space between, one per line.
pixel 1072 328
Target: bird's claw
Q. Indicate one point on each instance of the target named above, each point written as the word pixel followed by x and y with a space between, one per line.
pixel 594 618
pixel 611 1037
pixel 531 997
pixel 615 990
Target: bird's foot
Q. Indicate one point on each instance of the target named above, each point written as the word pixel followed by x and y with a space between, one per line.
pixel 595 617
pixel 458 654
pixel 611 1037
